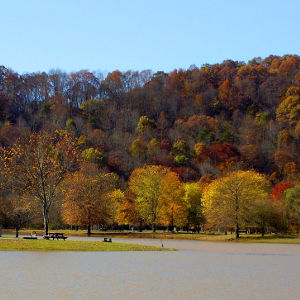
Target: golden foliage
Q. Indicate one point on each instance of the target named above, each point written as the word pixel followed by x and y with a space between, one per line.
pixel 89 198
pixel 228 200
pixel 146 184
pixel 289 109
pixel 172 206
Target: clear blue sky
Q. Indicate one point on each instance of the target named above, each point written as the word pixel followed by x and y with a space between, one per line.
pixel 143 34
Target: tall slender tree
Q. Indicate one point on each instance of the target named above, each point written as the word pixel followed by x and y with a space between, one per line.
pixel 37 166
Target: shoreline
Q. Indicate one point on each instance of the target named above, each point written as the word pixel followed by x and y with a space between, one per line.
pixel 245 238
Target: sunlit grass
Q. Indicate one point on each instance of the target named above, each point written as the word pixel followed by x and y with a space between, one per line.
pixel 46 245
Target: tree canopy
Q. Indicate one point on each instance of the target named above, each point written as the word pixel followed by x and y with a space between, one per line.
pixel 228 200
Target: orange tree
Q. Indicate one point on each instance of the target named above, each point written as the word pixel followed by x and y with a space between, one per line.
pixel 37 165
pixel 127 213
pixel 173 209
pixel 88 198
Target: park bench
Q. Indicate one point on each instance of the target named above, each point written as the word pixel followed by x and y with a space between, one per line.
pixel 55 235
pixel 33 236
pixel 107 240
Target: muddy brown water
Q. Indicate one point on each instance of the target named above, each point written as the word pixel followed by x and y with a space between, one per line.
pixel 199 270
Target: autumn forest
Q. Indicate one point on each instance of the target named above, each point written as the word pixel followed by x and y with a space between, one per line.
pixel 210 148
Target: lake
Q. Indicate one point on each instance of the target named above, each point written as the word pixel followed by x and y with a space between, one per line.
pixel 200 270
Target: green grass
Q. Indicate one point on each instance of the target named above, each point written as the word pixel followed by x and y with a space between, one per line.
pixel 209 237
pixel 45 245
pixel 274 238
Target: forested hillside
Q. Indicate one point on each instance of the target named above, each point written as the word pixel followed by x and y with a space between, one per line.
pixel 199 124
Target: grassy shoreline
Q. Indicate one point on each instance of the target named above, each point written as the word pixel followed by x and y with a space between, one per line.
pixel 19 244
pixel 245 238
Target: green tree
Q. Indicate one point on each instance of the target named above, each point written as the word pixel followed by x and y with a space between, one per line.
pixel 180 148
pixel 92 110
pixel 192 196
pixel 261 214
pixel 181 160
pixel 145 126
pixel 93 155
pixel 71 125
pixel 206 136
pixel 292 206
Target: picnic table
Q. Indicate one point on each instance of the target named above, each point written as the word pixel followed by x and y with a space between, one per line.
pixel 55 235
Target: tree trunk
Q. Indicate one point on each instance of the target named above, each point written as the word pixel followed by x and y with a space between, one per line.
pixel 140 226
pixel 172 219
pixel 46 223
pixel 153 227
pixel 17 232
pixel 46 217
pixel 89 230
pixel 237 227
pixel 263 229
pixel 237 231
pixel 172 225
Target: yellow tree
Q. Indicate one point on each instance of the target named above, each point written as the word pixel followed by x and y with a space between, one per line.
pixel 87 198
pixel 227 200
pixel 115 199
pixel 173 209
pixel 145 126
pixel 289 109
pixel 146 184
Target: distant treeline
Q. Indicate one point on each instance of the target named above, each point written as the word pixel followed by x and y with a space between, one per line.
pixel 200 124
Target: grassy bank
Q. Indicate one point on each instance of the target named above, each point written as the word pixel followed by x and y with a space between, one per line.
pixel 274 238
pixel 44 245
pixel 209 237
